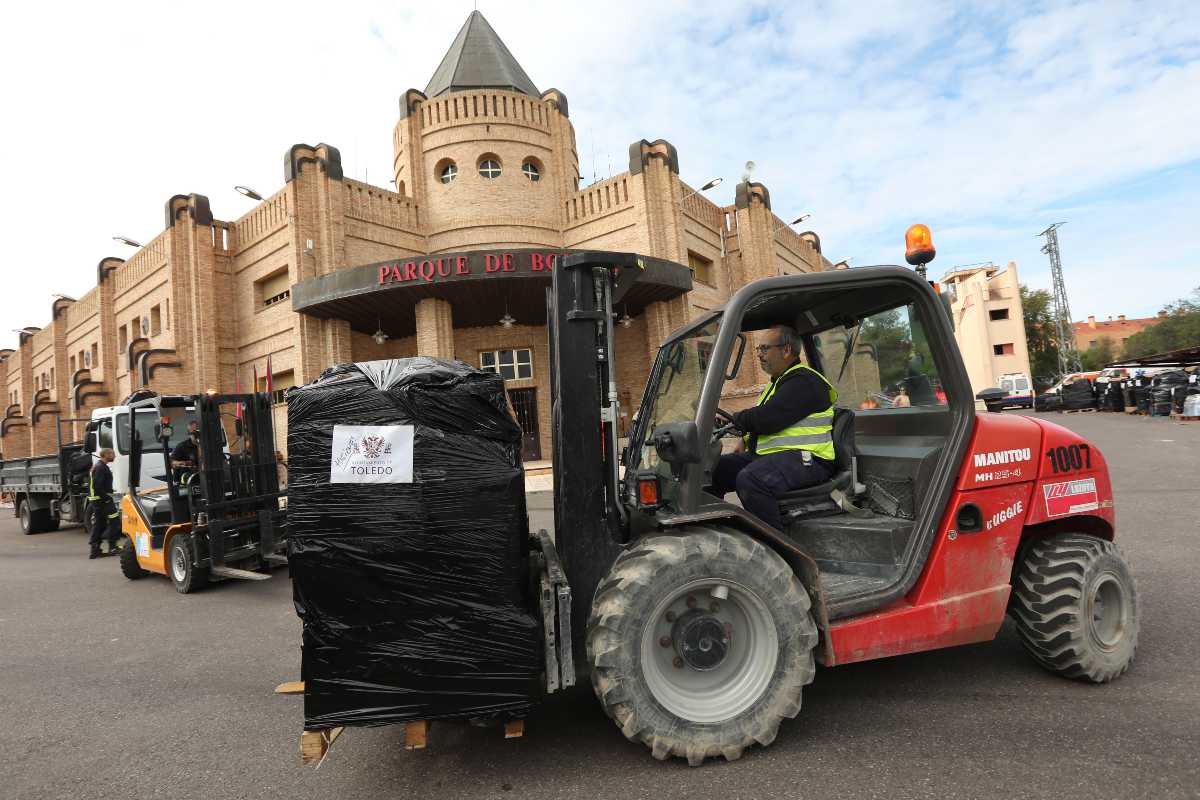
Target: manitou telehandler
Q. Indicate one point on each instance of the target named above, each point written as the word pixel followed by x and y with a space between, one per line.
pixel 219 518
pixel 699 624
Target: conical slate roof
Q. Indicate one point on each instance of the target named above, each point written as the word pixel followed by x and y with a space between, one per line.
pixel 478 60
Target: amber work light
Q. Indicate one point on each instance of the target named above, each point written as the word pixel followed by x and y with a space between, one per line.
pixel 918 245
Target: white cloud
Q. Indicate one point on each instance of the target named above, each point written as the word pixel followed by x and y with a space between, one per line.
pixel 869 116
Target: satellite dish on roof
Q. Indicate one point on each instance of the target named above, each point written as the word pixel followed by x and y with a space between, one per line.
pixel 750 165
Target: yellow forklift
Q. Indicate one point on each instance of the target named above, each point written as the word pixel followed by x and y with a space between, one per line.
pixel 219 519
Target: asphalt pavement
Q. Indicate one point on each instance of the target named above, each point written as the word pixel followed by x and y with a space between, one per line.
pixel 115 689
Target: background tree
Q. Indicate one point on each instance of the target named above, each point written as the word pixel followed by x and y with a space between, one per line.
pixel 1180 328
pixel 1094 358
pixel 1040 335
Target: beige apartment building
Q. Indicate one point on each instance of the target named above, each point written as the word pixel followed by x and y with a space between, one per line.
pixel 989 322
pixel 453 262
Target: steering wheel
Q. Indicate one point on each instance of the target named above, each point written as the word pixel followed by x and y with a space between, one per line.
pixel 721 431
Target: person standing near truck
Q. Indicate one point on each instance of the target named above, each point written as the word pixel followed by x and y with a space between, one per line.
pixel 106 519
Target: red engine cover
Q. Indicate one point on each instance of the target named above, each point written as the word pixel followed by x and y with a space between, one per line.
pixel 1018 471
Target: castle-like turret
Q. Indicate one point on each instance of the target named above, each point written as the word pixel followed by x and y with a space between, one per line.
pixel 490 160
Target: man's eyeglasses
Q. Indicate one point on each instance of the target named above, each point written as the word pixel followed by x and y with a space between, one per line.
pixel 763 348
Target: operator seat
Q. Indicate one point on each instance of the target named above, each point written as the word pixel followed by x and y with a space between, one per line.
pixel 816 500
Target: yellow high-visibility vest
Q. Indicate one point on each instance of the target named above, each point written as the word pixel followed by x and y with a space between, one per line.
pixel 813 433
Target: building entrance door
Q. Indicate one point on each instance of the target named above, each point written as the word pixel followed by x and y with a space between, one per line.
pixel 524 403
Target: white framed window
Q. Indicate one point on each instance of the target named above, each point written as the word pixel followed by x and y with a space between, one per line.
pixel 531 171
pixel 510 364
pixel 448 173
pixel 489 168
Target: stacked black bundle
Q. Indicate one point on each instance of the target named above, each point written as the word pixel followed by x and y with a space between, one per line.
pixel 1141 396
pixel 408 548
pixel 1078 394
pixel 1172 388
pixel 1047 402
pixel 1114 397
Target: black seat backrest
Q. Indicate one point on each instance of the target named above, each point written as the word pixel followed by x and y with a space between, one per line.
pixel 843 437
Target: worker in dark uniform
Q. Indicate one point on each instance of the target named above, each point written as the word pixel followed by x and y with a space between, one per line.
pixel 106 517
pixel 788 442
pixel 186 455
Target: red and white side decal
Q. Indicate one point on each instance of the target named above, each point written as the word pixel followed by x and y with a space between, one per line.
pixel 1071 497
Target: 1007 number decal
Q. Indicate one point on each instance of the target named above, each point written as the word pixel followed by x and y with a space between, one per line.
pixel 1069 458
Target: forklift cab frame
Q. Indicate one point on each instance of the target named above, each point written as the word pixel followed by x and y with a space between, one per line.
pixel 936 432
pixel 930 440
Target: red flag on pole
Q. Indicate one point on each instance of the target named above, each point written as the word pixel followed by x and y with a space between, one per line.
pixel 255 384
pixel 238 390
pixel 270 376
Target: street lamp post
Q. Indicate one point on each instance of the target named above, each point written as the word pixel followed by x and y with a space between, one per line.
pixel 714 182
pixel 247 192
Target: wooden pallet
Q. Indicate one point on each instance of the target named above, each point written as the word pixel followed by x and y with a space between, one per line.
pixel 1182 418
pixel 315 744
pixel 1078 410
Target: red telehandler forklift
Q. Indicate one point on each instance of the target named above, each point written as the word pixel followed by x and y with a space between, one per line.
pixel 699 624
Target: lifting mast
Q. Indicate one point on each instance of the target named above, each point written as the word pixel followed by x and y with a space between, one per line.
pixel 1068 356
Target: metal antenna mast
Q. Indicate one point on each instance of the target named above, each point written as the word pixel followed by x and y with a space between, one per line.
pixel 1068 356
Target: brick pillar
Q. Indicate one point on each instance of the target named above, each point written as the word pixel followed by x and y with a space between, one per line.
pixel 316 213
pixel 435 328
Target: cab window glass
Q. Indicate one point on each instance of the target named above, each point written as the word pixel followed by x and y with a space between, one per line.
pixel 104 434
pixel 883 362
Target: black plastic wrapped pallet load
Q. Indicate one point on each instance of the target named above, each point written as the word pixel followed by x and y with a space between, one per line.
pixel 413 595
pixel 1078 394
pixel 1114 397
pixel 1142 395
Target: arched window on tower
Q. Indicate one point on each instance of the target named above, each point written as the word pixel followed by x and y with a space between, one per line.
pixel 532 170
pixel 447 171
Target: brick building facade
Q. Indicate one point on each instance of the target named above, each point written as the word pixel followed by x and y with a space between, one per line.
pixel 486 179
pixel 1088 334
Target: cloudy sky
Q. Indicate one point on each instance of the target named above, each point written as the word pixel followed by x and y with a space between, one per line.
pixel 986 121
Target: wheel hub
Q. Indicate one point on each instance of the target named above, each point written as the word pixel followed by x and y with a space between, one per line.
pixel 701 640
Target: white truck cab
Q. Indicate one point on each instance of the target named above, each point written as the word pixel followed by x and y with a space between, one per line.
pixel 109 427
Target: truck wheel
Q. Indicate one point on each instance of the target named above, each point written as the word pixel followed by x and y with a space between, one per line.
pixel 1075 606
pixel 130 567
pixel 700 644
pixel 34 520
pixel 185 575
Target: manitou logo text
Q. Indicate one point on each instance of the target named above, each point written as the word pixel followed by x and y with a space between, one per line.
pixel 998 457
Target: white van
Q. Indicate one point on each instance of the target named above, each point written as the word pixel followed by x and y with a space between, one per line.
pixel 1018 390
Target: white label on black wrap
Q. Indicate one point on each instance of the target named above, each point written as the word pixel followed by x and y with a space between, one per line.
pixel 372 454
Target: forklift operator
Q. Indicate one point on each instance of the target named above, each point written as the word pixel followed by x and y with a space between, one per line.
pixel 788 442
pixel 185 454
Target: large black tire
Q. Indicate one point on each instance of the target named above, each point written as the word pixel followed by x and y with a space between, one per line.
pixel 184 574
pixel 1075 606
pixel 34 520
pixel 130 567
pixel 656 599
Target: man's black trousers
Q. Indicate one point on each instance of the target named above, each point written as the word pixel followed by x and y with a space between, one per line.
pixel 760 480
pixel 106 523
